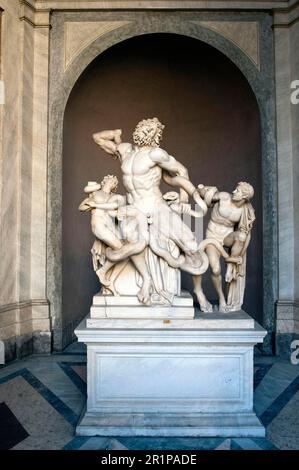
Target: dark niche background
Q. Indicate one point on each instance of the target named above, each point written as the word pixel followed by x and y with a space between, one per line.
pixel 212 127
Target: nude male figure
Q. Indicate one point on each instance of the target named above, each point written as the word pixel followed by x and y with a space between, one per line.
pixel 143 165
pixel 106 209
pixel 230 224
pixel 103 205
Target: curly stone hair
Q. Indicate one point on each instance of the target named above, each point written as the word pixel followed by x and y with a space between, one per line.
pixel 110 178
pixel 247 190
pixel 147 125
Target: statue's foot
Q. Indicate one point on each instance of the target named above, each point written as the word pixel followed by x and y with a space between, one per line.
pixel 223 308
pixel 204 304
pixel 206 308
pixel 102 277
pixel 144 295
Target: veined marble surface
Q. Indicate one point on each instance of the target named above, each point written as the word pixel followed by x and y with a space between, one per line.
pixel 54 394
pixel 23 179
pixel 198 380
pixel 202 321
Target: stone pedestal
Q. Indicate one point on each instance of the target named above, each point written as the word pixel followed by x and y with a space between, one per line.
pixel 128 306
pixel 170 377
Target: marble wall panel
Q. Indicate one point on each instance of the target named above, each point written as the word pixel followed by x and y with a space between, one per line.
pixel 285 165
pixel 294 75
pixel 23 308
pixel 39 164
pixel 9 154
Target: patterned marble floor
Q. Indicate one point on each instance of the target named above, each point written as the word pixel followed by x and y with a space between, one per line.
pixel 41 399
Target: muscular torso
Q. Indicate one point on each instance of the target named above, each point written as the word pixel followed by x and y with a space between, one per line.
pixel 99 197
pixel 225 215
pixel 228 210
pixel 104 215
pixel 141 178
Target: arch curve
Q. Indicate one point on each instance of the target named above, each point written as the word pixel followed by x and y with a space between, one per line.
pixel 135 29
pixel 61 84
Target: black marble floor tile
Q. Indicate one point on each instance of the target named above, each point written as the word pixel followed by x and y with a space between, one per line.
pixel 11 430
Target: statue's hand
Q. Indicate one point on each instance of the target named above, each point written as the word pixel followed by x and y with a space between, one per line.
pixel 92 204
pixel 202 189
pixel 181 207
pixel 185 208
pixel 108 140
pixel 234 259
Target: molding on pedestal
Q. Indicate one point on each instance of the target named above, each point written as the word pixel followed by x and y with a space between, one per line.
pixel 178 425
pixel 128 307
pixel 168 381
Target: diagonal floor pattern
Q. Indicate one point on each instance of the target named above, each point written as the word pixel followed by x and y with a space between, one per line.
pixel 41 399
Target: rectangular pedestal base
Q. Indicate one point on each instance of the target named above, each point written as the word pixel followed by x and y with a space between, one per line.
pixel 129 307
pixel 175 425
pixel 191 377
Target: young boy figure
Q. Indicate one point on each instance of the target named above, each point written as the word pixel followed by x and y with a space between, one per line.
pixel 121 231
pixel 103 204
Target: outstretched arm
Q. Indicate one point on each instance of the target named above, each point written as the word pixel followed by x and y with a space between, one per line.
pixel 88 204
pixel 85 206
pixel 211 194
pixel 106 206
pixel 114 202
pixel 108 140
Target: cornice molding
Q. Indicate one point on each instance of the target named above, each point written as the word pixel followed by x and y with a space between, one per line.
pixel 292 4
pixel 32 16
pixel 23 304
pixel 200 5
pixel 28 4
pixel 288 303
pixel 286 18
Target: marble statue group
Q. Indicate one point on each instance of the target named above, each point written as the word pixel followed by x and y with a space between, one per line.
pixel 142 240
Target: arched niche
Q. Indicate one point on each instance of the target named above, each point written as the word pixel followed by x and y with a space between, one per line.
pixel 68 80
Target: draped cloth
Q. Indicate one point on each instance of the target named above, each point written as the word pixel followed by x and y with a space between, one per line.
pixel 166 281
pixel 236 288
pixel 247 218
